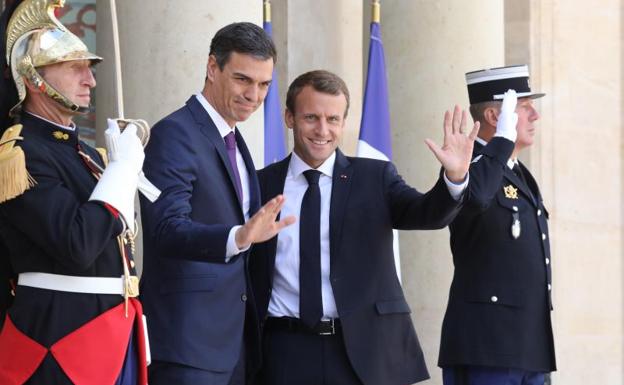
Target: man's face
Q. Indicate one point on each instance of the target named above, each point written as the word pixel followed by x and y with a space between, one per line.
pixel 526 116
pixel 240 88
pixel 317 124
pixel 73 79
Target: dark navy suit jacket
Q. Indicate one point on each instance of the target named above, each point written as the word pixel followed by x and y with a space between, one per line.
pixel 368 200
pixel 195 303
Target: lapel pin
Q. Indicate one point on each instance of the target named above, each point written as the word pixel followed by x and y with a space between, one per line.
pixel 343 176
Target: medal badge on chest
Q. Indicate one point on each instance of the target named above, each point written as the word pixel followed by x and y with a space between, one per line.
pixel 511 192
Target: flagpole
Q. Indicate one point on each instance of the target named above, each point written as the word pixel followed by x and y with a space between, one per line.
pixel 266 14
pixel 376 14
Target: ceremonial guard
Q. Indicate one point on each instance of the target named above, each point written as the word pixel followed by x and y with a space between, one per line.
pixel 69 286
pixel 497 328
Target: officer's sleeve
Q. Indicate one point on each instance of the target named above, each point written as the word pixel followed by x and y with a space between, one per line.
pixel 486 173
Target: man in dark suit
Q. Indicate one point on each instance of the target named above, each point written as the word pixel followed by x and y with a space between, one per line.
pixel 497 328
pixel 198 233
pixel 327 292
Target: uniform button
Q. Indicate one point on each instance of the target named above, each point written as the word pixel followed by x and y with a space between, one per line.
pixel 243 297
pixel 515 208
pixel 494 298
pixel 548 261
pixel 539 212
pixel 549 287
pixel 543 236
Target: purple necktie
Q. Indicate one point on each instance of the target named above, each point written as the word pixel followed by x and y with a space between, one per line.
pixel 230 145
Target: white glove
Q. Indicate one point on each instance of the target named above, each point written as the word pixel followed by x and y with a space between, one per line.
pixel 118 183
pixel 507 119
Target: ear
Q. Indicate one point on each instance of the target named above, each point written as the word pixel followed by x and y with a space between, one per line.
pixel 289 118
pixel 212 67
pixel 31 87
pixel 490 115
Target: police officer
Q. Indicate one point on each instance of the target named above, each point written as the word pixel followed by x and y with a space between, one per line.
pixel 66 219
pixel 497 328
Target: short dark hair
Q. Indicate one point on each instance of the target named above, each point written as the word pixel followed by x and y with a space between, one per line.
pixel 478 109
pixel 246 38
pixel 322 81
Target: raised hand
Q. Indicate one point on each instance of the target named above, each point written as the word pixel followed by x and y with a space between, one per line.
pixel 456 151
pixel 262 226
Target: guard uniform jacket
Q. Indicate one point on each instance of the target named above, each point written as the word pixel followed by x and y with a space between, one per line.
pixel 53 228
pixel 499 305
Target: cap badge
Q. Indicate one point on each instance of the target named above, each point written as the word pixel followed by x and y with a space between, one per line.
pixel 510 192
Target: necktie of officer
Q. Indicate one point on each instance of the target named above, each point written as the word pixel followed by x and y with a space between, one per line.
pixel 230 145
pixel 518 171
pixel 310 300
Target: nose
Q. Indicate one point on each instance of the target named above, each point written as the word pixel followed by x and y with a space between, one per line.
pixel 251 93
pixel 534 114
pixel 89 78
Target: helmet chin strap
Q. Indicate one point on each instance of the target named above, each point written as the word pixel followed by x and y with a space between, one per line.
pixel 26 68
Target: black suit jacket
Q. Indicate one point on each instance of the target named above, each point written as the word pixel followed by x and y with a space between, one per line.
pixel 368 200
pixel 499 303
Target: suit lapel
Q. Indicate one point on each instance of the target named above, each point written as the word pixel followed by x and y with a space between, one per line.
pixel 341 186
pixel 254 189
pixel 272 185
pixel 208 128
pixel 511 176
pixel 518 182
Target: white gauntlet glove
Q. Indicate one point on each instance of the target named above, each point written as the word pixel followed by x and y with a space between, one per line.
pixel 507 119
pixel 118 183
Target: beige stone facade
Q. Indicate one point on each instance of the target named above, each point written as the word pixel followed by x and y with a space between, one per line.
pixel 574 49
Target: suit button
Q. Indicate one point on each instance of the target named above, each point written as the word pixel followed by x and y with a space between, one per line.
pixel 548 261
pixel 543 236
pixel 494 298
pixel 243 297
pixel 549 287
pixel 539 212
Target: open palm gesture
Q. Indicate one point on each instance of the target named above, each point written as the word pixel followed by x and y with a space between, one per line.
pixel 456 151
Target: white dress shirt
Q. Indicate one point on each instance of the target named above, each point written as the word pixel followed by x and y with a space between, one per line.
pixel 285 294
pixel 225 129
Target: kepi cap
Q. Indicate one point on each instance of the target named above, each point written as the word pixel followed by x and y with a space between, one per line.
pixel 490 84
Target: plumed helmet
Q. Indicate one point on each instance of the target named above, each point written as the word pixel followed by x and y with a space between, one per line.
pixel 35 38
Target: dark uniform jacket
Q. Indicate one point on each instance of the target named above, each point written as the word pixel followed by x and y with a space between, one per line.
pixel 500 299
pixel 53 228
pixel 368 200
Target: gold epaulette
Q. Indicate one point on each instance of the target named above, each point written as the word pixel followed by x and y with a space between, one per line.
pixel 103 155
pixel 14 178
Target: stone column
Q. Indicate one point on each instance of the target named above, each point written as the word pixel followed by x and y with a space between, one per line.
pixel 577 160
pixel 429 46
pixel 322 34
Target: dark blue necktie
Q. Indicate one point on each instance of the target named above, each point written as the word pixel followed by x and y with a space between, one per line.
pixel 230 145
pixel 310 300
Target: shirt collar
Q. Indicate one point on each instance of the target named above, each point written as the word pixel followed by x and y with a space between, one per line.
pixel 481 141
pixel 68 128
pixel 217 119
pixel 298 166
